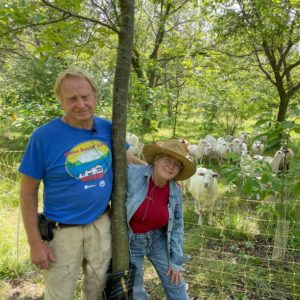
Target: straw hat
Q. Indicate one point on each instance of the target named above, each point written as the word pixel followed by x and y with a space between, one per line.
pixel 174 149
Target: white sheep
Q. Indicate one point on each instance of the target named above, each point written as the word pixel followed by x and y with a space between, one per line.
pixel 236 145
pixel 220 139
pixel 204 189
pixel 212 141
pixel 243 149
pixel 257 157
pixel 243 136
pixel 257 148
pixel 203 148
pixel 132 139
pixel 288 155
pixel 275 161
pixel 222 149
pixel 195 152
pixel 229 137
pixel 136 150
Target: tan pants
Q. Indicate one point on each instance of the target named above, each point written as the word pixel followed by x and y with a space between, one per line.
pixel 79 247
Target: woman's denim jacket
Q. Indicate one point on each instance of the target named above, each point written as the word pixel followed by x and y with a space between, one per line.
pixel 138 177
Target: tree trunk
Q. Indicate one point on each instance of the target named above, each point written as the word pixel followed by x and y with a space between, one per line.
pixel 146 122
pixel 120 261
pixel 284 101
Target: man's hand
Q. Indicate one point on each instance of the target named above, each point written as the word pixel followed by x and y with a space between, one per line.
pixel 176 277
pixel 41 255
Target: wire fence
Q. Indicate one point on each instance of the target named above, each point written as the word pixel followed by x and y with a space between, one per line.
pixel 246 253
pixel 240 259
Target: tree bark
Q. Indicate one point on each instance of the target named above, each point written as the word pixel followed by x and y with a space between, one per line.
pixel 283 106
pixel 120 253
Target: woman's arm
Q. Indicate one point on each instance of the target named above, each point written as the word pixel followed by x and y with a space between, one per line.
pixel 176 240
pixel 131 159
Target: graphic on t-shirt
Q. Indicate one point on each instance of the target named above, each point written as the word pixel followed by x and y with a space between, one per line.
pixel 102 183
pixel 88 161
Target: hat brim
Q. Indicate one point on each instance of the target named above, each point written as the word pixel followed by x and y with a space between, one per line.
pixel 188 167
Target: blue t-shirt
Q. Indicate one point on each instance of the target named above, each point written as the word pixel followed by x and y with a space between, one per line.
pixel 75 166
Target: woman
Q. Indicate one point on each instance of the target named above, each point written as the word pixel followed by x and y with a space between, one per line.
pixel 155 217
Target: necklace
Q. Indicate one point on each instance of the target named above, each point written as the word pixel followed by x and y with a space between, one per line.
pixel 150 196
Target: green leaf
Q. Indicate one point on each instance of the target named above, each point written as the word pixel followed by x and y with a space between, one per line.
pixel 287 124
pixel 297 188
pixel 265 178
pixel 276 185
pixel 233 176
pixel 261 122
pixel 297 128
pixel 249 185
pixel 272 142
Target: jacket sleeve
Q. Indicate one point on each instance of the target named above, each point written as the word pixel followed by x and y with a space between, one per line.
pixel 176 241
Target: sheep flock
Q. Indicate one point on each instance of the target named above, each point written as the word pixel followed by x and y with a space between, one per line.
pixel 209 153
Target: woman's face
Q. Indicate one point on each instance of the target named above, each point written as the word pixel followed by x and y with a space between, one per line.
pixel 166 167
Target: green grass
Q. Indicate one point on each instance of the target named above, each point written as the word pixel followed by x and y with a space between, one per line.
pixel 232 257
pixel 227 260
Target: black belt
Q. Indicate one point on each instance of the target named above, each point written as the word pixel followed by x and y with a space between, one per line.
pixel 59 225
pixel 63 225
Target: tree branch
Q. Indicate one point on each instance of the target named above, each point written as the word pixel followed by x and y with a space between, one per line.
pixel 36 25
pixel 79 16
pixel 263 69
pixel 161 32
pixel 103 9
pixel 293 90
pixel 179 7
pixel 135 61
pixel 290 68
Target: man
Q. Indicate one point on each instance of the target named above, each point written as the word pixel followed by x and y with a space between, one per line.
pixel 72 156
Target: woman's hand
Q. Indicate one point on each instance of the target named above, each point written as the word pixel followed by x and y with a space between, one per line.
pixel 176 276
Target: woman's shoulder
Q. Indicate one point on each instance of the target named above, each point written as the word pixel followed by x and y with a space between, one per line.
pixel 137 173
pixel 175 185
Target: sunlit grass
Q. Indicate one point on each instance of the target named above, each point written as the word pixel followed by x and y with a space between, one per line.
pixel 14 248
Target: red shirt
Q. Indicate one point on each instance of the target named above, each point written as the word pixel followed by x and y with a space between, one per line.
pixel 153 212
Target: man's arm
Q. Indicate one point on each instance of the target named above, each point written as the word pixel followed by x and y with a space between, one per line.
pixel 131 159
pixel 41 254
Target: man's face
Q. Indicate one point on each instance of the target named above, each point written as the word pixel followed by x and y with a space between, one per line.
pixel 78 100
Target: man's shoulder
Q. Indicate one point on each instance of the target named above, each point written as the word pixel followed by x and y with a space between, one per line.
pixel 102 122
pixel 45 128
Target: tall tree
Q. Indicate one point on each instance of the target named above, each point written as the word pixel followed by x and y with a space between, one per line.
pixel 83 22
pixel 268 32
pixel 159 21
pixel 124 27
pixel 125 48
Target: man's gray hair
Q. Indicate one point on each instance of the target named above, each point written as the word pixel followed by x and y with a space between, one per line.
pixel 73 72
